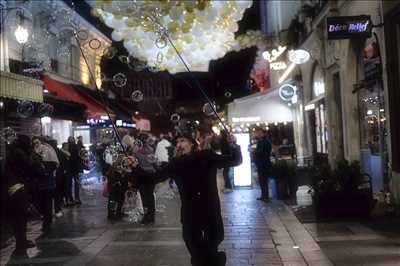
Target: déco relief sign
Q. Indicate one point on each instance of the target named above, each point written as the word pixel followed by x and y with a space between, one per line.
pixel 348 27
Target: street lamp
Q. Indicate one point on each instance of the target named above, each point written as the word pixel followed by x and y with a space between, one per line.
pixel 21 34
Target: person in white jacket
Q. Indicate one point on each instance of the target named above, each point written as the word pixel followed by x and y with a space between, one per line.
pixel 162 150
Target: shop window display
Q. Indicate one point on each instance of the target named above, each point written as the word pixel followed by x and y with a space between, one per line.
pixel 372 118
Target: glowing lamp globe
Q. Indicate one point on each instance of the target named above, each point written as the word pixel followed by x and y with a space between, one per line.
pixel 21 34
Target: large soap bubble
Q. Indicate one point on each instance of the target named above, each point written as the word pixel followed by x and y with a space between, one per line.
pixel 45 109
pixel 208 109
pixel 119 80
pixel 94 44
pixel 137 145
pixel 25 109
pixel 137 96
pixel 110 52
pixel 8 135
pixel 175 118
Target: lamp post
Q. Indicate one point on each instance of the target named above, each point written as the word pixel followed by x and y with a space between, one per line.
pixel 21 34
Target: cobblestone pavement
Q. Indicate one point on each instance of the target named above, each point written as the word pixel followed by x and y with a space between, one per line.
pixel 256 233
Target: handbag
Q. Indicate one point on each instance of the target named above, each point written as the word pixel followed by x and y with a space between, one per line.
pixel 105 192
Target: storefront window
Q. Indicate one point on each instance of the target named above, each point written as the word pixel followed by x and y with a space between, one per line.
pixel 371 102
pixel 321 127
pixel 373 118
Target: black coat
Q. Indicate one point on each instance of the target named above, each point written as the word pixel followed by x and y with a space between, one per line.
pixel 195 176
pixel 262 154
pixel 75 161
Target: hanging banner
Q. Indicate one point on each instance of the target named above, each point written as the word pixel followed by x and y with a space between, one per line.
pixel 349 27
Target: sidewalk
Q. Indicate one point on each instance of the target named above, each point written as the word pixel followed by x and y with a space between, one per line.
pixel 256 233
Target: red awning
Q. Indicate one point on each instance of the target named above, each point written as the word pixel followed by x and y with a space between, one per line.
pixel 94 108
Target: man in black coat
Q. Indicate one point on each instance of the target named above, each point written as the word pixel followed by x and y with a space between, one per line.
pixel 75 167
pixel 194 173
pixel 261 157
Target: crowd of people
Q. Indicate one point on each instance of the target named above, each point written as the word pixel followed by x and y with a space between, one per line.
pixel 41 178
pixel 42 175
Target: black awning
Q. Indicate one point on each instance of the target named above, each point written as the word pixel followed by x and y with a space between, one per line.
pixel 66 109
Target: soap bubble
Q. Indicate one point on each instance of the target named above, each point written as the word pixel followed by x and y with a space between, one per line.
pixel 45 109
pixel 107 134
pixel 123 59
pixel 151 140
pixel 160 57
pixel 137 96
pixel 161 42
pixel 208 109
pixel 151 158
pixel 119 80
pixel 94 44
pixel 137 145
pixel 25 109
pixel 82 35
pixel 228 94
pixel 135 64
pixel 84 154
pixel 110 52
pixel 175 118
pixel 8 135
pixel 36 129
pixel 153 69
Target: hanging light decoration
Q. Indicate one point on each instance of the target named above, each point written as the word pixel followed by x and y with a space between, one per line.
pixel 201 30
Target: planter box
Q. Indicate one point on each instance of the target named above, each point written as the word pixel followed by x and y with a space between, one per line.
pixel 343 205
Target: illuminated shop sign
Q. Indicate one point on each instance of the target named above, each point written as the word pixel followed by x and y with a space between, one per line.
pixel 287 92
pixel 246 119
pixel 274 54
pixel 349 27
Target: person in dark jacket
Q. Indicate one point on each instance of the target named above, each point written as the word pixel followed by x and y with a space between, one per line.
pixel 18 174
pixel 61 180
pixel 147 192
pixel 75 167
pixel 261 157
pixel 225 149
pixel 194 173
pixel 117 183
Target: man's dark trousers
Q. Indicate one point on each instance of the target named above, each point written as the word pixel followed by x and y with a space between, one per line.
pixel 202 243
pixel 263 180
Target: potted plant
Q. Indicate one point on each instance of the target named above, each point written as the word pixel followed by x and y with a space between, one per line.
pixel 342 192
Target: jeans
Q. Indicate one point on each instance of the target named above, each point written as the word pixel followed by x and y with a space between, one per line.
pixel 46 206
pixel 228 182
pixel 263 180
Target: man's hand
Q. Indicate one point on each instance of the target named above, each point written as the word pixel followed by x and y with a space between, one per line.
pixel 130 162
